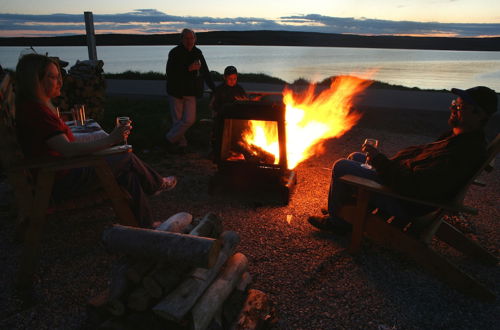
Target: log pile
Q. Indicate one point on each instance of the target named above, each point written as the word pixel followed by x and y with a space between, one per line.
pixel 84 84
pixel 186 274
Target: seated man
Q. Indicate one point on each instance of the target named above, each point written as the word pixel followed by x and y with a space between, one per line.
pixel 434 171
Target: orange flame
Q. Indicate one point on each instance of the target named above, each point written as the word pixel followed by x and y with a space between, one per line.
pixel 310 119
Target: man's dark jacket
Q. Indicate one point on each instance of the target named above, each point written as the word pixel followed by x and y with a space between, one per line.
pixel 180 81
pixel 435 171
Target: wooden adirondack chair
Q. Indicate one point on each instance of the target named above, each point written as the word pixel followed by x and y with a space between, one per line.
pixel 415 241
pixel 33 195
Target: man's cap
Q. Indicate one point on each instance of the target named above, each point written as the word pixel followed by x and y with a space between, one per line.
pixel 481 96
pixel 230 70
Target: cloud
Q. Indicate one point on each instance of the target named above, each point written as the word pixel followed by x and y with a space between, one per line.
pixel 383 27
pixel 153 21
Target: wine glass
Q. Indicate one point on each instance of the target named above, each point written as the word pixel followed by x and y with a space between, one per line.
pixel 198 63
pixel 78 112
pixel 373 143
pixel 123 121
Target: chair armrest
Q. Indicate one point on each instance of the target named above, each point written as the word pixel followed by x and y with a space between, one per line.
pixel 378 188
pixel 479 183
pixel 113 150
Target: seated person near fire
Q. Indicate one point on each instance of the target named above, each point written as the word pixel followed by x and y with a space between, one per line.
pixel 43 134
pixel 434 171
pixel 228 91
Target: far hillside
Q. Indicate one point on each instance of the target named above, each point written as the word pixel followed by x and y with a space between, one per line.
pixel 269 38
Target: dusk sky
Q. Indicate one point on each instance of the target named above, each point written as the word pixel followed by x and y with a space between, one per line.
pixel 460 18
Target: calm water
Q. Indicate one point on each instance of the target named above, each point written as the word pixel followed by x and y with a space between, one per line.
pixel 433 69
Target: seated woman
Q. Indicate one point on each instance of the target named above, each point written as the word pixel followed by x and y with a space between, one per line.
pixel 42 133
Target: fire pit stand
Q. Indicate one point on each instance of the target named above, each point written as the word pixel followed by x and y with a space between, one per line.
pixel 253 174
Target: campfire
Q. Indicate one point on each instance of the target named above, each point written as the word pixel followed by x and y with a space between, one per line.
pixel 258 144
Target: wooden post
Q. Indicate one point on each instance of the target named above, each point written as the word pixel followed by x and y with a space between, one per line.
pixel 89 28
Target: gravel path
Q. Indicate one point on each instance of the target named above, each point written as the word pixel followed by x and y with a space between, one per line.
pixel 313 281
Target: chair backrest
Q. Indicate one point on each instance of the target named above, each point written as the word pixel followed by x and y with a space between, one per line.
pixel 10 150
pixel 491 152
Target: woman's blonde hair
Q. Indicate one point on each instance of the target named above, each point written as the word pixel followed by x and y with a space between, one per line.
pixel 30 70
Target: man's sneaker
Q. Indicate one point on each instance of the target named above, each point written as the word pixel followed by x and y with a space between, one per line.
pixel 332 224
pixel 167 184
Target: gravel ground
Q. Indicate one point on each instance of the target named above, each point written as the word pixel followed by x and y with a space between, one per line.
pixel 313 281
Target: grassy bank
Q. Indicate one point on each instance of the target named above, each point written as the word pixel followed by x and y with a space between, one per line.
pixel 151 120
pixel 245 78
pixel 216 76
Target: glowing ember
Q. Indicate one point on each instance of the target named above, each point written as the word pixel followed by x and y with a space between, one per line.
pixel 310 119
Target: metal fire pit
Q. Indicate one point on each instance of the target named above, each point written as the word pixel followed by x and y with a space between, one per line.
pixel 258 179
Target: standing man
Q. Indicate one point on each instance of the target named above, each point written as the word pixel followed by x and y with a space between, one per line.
pixel 187 71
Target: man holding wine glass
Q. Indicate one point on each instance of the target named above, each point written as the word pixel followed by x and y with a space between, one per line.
pixel 434 171
pixel 187 71
pixel 43 134
pixel 127 123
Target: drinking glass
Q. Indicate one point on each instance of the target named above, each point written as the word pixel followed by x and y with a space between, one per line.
pixel 81 111
pixel 198 63
pixel 123 121
pixel 373 143
pixel 78 112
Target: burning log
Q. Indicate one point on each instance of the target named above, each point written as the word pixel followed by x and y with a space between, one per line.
pixel 254 154
pixel 213 299
pixel 173 247
pixel 177 304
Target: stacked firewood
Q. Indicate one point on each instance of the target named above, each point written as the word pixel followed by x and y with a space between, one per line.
pixel 183 275
pixel 84 84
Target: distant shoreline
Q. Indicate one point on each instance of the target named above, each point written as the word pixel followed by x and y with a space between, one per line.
pixel 269 38
pixel 255 78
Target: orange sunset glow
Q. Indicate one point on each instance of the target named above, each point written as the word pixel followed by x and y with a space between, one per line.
pixel 310 119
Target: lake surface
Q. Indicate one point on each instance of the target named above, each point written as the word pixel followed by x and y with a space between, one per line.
pixel 428 69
